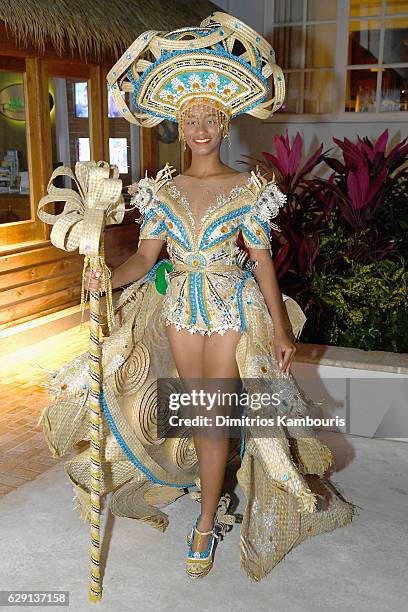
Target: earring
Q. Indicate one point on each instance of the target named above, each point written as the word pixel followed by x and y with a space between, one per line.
pixel 226 131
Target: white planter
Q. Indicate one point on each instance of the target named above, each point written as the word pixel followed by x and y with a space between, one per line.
pixel 368 388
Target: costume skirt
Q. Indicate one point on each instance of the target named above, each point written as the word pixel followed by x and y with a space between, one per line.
pixel 145 473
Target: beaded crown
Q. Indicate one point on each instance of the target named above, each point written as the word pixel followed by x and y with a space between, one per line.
pixel 223 61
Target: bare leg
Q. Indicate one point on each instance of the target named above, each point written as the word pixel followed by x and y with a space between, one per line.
pixel 210 357
pixel 219 363
pixel 188 354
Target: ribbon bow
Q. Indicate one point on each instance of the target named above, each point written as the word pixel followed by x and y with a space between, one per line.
pixel 221 519
pixel 96 202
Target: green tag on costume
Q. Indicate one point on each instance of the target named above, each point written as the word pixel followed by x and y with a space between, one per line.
pixel 160 280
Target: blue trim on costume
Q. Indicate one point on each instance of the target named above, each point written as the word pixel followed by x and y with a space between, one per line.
pixel 166 56
pixel 240 289
pixel 177 240
pixel 204 244
pixel 129 453
pixel 157 230
pixel 207 245
pixel 176 221
pixel 242 449
pixel 150 213
pixel 151 275
pixel 247 232
pixel 161 228
pixel 203 554
pixel 184 243
pixel 258 58
pixel 261 222
pixel 264 224
pixel 199 285
pixel 192 296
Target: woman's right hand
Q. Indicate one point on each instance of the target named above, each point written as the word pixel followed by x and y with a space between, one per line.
pixel 93 280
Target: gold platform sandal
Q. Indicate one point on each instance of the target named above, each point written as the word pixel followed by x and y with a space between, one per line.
pixel 198 564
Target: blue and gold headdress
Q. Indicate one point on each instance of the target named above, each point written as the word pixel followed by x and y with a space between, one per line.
pixel 222 62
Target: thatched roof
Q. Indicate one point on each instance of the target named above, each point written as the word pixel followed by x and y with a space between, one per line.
pixel 95 28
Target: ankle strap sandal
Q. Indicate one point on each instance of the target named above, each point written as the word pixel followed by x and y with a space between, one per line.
pixel 198 564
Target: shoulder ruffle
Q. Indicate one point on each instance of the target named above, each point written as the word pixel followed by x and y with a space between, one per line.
pixel 269 199
pixel 269 203
pixel 144 192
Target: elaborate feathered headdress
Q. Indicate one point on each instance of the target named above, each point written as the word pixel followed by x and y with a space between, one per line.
pixel 223 62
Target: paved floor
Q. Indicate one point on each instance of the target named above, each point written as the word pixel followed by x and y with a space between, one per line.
pixel 359 568
pixel 46 546
pixel 24 453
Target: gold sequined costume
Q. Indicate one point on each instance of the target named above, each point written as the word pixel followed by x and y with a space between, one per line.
pixel 206 292
pixel 227 65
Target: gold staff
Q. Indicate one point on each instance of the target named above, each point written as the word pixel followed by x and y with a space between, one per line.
pixel 98 202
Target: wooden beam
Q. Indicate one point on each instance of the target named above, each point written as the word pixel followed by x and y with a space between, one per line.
pixel 38 135
pixel 97 110
pixel 70 69
pixel 10 298
pixel 149 151
pixel 56 300
pixel 14 64
pixel 26 276
pixel 33 257
pixel 104 89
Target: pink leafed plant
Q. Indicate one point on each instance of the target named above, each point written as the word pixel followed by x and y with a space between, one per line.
pixel 298 240
pixel 362 181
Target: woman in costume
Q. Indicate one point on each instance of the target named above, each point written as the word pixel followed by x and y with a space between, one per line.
pixel 201 315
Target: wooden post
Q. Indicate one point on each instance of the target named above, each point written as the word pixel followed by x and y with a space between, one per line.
pixel 149 151
pixel 98 109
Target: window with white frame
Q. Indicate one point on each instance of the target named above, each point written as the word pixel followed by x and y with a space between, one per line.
pixel 304 39
pixel 342 56
pixel 377 63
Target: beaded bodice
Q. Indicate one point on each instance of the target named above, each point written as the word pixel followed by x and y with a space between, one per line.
pixel 205 283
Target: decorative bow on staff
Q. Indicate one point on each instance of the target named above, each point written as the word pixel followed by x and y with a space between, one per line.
pixel 98 202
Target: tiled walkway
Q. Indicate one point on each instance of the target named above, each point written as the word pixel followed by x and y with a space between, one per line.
pixel 24 453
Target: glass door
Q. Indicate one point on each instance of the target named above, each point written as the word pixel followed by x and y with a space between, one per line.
pixel 23 101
